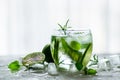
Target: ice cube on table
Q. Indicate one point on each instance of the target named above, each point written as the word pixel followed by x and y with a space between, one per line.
pixel 39 66
pixel 52 70
pixel 104 65
pixel 73 68
pixel 115 60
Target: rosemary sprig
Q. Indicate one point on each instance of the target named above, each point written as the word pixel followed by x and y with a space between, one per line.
pixel 65 27
pixel 94 61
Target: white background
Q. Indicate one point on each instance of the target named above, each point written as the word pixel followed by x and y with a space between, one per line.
pixel 26 25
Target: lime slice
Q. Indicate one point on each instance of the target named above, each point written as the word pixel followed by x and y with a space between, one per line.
pixel 33 58
pixel 75 45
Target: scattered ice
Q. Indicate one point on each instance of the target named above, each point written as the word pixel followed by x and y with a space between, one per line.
pixel 104 64
pixel 73 68
pixel 115 61
pixel 52 70
pixel 38 66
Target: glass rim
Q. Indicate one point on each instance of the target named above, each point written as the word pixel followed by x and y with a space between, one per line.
pixel 81 29
pixel 71 31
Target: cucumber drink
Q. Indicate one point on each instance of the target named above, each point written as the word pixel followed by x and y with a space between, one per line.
pixel 72 51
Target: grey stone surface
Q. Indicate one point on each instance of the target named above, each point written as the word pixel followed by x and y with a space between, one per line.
pixel 5 74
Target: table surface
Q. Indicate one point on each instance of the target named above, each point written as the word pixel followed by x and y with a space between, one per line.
pixel 5 74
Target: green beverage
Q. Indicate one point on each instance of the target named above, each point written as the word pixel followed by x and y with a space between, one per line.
pixel 71 51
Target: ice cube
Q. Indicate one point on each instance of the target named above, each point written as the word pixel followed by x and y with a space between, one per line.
pixel 73 68
pixel 115 60
pixel 52 70
pixel 104 65
pixel 38 66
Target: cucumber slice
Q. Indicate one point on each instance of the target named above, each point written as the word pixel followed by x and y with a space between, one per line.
pixel 82 62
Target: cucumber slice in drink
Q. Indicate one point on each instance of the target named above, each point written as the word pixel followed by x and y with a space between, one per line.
pixel 82 62
pixel 73 54
pixel 55 49
pixel 88 54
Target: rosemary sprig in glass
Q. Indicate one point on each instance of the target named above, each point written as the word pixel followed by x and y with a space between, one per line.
pixel 65 27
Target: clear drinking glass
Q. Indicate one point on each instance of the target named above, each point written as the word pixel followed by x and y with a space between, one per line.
pixel 72 49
